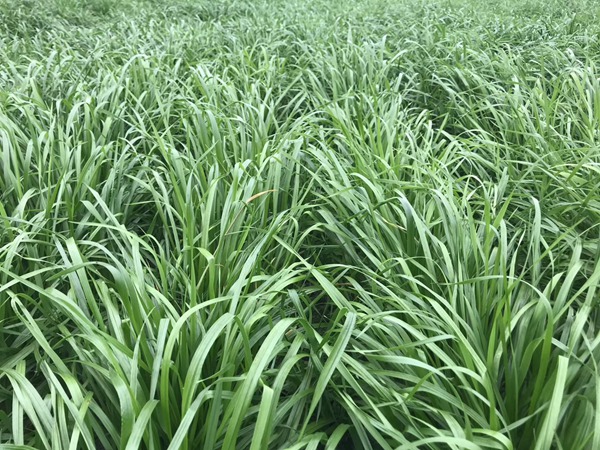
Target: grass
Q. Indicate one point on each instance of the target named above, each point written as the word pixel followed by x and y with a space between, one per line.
pixel 299 225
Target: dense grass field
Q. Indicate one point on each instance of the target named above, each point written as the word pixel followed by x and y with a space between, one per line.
pixel 285 224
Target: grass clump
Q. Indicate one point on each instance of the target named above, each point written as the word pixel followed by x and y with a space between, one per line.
pixel 299 225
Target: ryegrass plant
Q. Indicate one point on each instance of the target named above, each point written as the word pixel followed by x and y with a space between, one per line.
pixel 299 225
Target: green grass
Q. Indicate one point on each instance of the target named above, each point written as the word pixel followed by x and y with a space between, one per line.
pixel 297 225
